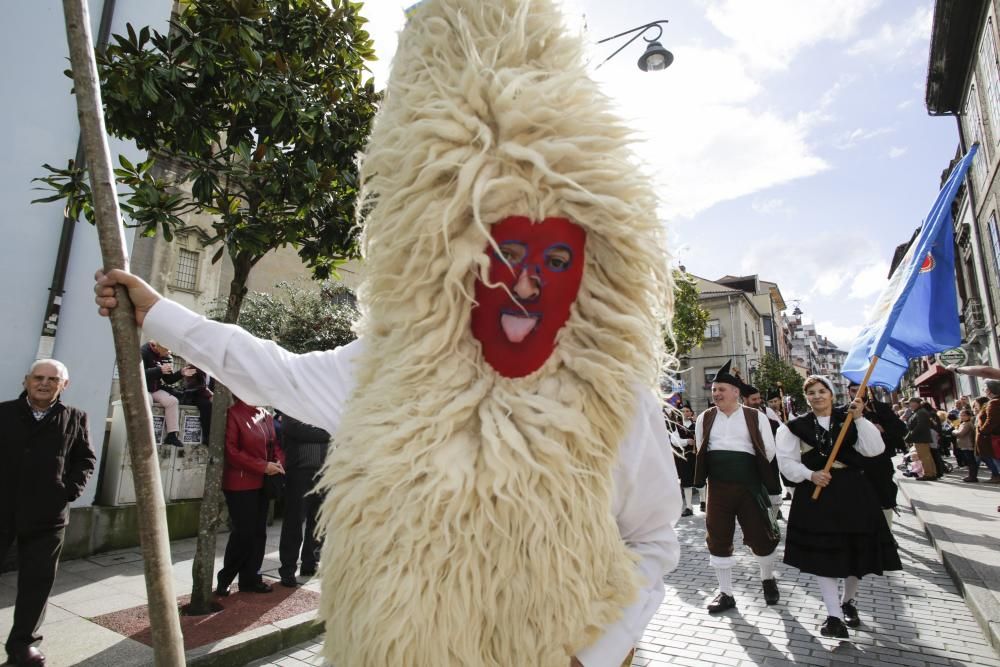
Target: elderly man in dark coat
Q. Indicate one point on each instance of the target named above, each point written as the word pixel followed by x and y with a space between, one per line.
pixel 47 462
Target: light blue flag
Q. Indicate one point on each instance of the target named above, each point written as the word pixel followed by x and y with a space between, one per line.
pixel 917 313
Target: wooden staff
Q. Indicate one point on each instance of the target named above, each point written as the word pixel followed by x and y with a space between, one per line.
pixel 847 422
pixel 168 643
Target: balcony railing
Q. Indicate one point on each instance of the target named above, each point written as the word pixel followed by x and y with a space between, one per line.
pixel 973 316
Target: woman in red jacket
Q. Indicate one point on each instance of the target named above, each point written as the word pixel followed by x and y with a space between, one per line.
pixel 252 451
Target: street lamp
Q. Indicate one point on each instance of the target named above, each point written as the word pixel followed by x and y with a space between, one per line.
pixel 655 57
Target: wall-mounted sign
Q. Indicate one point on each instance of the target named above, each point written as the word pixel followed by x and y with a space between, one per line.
pixel 956 356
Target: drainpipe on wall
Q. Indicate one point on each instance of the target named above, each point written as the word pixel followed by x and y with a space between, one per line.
pixel 732 324
pixel 50 323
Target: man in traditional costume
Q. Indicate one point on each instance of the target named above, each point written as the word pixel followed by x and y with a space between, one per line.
pixel 774 400
pixel 499 493
pixel 735 450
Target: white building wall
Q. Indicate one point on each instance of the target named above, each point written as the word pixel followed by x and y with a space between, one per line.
pixel 40 125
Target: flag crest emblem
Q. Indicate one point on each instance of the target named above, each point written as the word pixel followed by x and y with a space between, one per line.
pixel 928 264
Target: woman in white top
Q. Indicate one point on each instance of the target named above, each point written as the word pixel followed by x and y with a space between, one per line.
pixel 842 534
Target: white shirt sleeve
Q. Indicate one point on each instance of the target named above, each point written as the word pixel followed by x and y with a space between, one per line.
pixel 310 387
pixel 647 505
pixel 790 456
pixel 764 426
pixel 870 441
pixel 699 430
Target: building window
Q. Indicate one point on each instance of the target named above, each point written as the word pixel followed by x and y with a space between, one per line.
pixel 186 275
pixel 988 60
pixel 713 330
pixel 977 132
pixel 995 239
pixel 746 333
pixel 710 374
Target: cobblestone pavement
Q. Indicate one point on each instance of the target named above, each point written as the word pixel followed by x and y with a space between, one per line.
pixel 911 618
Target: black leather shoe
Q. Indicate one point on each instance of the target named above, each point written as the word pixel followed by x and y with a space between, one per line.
pixel 834 627
pixel 221 589
pixel 851 617
pixel 687 511
pixel 308 570
pixel 29 656
pixel 258 587
pixel 721 603
pixel 771 594
pixel 172 439
pixel 289 582
pixel 701 506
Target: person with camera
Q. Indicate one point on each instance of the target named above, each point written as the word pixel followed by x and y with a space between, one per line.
pixel 160 374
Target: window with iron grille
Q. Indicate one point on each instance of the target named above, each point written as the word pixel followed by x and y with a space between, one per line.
pixel 186 274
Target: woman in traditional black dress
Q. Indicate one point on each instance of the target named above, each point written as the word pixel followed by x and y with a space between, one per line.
pixel 842 534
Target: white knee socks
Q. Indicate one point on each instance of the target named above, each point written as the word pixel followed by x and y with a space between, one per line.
pixel 851 588
pixel 766 566
pixel 723 566
pixel 828 589
pixel 725 575
pixel 688 496
pixel 889 516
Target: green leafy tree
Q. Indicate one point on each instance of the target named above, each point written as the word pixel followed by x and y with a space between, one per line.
pixel 690 319
pixel 253 110
pixel 774 372
pixel 301 319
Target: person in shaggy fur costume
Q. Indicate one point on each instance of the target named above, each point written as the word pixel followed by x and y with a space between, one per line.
pixel 501 490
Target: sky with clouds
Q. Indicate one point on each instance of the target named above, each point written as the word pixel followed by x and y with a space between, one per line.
pixel 789 138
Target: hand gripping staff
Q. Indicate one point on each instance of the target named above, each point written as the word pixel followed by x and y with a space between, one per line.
pixel 847 422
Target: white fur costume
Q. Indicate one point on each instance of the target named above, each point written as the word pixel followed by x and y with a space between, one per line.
pixel 469 517
pixel 478 506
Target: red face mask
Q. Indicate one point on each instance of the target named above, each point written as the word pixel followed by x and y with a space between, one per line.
pixel 545 268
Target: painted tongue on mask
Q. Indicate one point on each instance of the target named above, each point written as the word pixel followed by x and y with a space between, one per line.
pixel 517 327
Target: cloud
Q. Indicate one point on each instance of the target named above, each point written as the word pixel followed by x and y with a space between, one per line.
pixel 905 104
pixel 769 33
pixel 897 152
pixel 895 41
pixel 770 206
pixel 857 136
pixel 841 335
pixel 869 281
pixel 717 148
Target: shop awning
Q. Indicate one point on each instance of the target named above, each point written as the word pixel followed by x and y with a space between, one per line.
pixel 935 373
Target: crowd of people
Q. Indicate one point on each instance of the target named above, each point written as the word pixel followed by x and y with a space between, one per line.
pixel 967 431
pixel 742 450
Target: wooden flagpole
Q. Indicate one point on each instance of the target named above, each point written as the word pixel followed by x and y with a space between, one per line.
pixel 843 430
pixel 168 643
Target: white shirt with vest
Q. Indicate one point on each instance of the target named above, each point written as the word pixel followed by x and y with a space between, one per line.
pixel 729 432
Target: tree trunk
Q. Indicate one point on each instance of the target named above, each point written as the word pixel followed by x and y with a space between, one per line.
pixel 203 568
pixel 168 644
